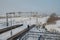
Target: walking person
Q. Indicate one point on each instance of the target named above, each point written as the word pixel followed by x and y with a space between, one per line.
pixel 40 38
pixel 28 26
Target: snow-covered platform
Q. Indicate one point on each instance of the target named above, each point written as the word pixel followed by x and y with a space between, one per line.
pixel 9 28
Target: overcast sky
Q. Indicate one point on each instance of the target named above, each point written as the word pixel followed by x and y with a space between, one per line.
pixel 43 6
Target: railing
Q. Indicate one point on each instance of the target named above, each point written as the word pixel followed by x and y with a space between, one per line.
pixel 10 28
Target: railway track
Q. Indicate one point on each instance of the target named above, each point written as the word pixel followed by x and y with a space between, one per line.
pixel 21 33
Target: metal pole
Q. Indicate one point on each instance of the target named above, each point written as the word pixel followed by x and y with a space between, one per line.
pixel 11 25
pixel 36 18
pixel 6 19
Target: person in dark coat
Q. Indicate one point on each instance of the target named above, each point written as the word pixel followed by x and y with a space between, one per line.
pixel 40 37
pixel 28 26
pixel 43 26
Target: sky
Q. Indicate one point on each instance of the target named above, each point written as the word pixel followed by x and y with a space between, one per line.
pixel 42 6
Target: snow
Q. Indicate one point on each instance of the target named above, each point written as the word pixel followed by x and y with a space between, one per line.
pixel 25 21
pixel 20 20
pixel 36 33
pixel 32 38
pixel 6 35
pixel 35 29
pixel 52 27
pixel 43 20
pixel 58 23
pixel 12 21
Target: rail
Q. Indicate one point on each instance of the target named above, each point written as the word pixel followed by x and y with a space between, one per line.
pixel 9 28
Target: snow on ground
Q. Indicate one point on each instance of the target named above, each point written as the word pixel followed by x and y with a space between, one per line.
pixel 6 35
pixel 53 27
pixel 36 33
pixel 13 21
pixel 20 20
pixel 35 29
pixel 32 38
pixel 58 23
pixel 43 20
